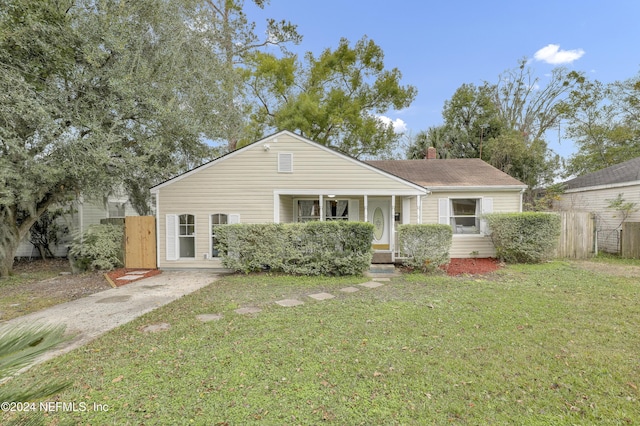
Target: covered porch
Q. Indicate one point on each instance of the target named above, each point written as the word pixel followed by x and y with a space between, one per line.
pixel 385 210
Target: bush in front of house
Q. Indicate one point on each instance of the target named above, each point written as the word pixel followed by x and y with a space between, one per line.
pixel 99 247
pixel 425 247
pixel 312 248
pixel 529 237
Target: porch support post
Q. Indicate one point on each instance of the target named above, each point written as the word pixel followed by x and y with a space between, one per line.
pixel 320 197
pixel 419 208
pixel 392 239
pixel 366 208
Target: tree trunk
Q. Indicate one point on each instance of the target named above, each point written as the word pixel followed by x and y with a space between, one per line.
pixel 10 243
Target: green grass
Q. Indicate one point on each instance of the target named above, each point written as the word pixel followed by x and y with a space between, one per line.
pixel 543 344
pixel 615 259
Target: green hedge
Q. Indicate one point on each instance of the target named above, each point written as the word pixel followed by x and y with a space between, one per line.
pixel 312 248
pixel 426 247
pixel 529 237
pixel 99 247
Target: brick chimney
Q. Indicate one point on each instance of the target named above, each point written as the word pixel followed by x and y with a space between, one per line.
pixel 431 153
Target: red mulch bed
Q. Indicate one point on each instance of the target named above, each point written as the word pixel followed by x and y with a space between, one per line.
pixel 117 273
pixel 472 266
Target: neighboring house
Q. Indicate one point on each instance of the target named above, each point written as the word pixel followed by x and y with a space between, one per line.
pixel 288 178
pixel 82 214
pixel 594 192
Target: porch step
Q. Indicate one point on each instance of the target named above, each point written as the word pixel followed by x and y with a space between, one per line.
pixel 382 257
pixel 381 271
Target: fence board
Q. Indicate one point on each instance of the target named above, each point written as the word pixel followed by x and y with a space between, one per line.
pixel 140 242
pixel 631 240
pixel 576 237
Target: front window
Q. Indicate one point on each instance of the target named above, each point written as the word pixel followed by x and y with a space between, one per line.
pixel 464 217
pixel 308 210
pixel 186 236
pixel 336 210
pixel 217 219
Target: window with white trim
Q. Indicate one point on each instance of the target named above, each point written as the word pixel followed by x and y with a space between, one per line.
pixel 186 236
pixel 307 210
pixel 336 209
pixel 217 219
pixel 464 215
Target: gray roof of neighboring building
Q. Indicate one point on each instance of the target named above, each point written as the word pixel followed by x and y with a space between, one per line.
pixel 629 171
pixel 471 172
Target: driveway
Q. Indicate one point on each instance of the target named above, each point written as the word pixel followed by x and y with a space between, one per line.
pixel 91 316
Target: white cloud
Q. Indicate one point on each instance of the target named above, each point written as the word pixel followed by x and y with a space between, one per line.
pixel 552 54
pixel 399 126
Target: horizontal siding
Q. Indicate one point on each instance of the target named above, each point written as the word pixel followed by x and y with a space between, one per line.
pixel 464 245
pixel 597 202
pixel 244 184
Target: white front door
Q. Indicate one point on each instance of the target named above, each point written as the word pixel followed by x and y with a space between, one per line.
pixel 378 213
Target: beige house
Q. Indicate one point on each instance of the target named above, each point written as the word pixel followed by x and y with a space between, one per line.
pixel 594 192
pixel 288 178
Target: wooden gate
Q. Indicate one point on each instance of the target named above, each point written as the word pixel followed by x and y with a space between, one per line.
pixel 140 242
pixel 630 240
pixel 576 237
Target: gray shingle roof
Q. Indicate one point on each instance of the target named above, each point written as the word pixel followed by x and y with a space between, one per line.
pixel 455 172
pixel 629 171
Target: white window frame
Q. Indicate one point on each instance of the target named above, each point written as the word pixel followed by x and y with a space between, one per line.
pixel 353 209
pixel 483 205
pixel 212 227
pixel 183 237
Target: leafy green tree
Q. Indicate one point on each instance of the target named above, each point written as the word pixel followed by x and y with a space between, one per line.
pixel 332 99
pixel 96 94
pixel 235 39
pixel 604 122
pixel 471 118
pixel 438 137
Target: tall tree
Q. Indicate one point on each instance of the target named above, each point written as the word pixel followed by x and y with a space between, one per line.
pixel 437 137
pixel 236 38
pixel 472 116
pixel 333 99
pixel 604 123
pixel 95 93
pixel 526 106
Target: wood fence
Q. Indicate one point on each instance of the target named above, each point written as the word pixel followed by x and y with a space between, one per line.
pixel 140 242
pixel 630 241
pixel 577 235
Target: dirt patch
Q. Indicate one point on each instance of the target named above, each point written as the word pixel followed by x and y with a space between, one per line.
pixel 472 266
pixel 38 284
pixel 630 271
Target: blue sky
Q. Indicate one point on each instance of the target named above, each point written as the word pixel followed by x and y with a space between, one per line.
pixel 440 45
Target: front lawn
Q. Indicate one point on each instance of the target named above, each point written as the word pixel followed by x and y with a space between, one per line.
pixel 545 344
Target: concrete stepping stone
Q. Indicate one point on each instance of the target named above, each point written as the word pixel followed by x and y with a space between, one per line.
pixel 289 302
pixel 381 279
pixel 349 289
pixel 128 277
pixel 321 296
pixel 209 317
pixel 154 328
pixel 248 310
pixel 137 272
pixel 371 284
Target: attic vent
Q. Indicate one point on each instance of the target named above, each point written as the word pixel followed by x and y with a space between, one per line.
pixel 285 162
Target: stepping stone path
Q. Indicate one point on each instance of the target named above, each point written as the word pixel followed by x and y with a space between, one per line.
pixel 209 317
pixel 374 283
pixel 289 302
pixel 321 296
pixel 371 284
pixel 154 328
pixel 249 310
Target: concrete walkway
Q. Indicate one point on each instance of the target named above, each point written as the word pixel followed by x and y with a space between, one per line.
pixel 91 316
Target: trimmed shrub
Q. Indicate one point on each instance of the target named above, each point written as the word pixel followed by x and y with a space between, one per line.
pixel 426 246
pixel 312 248
pixel 100 247
pixel 529 237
